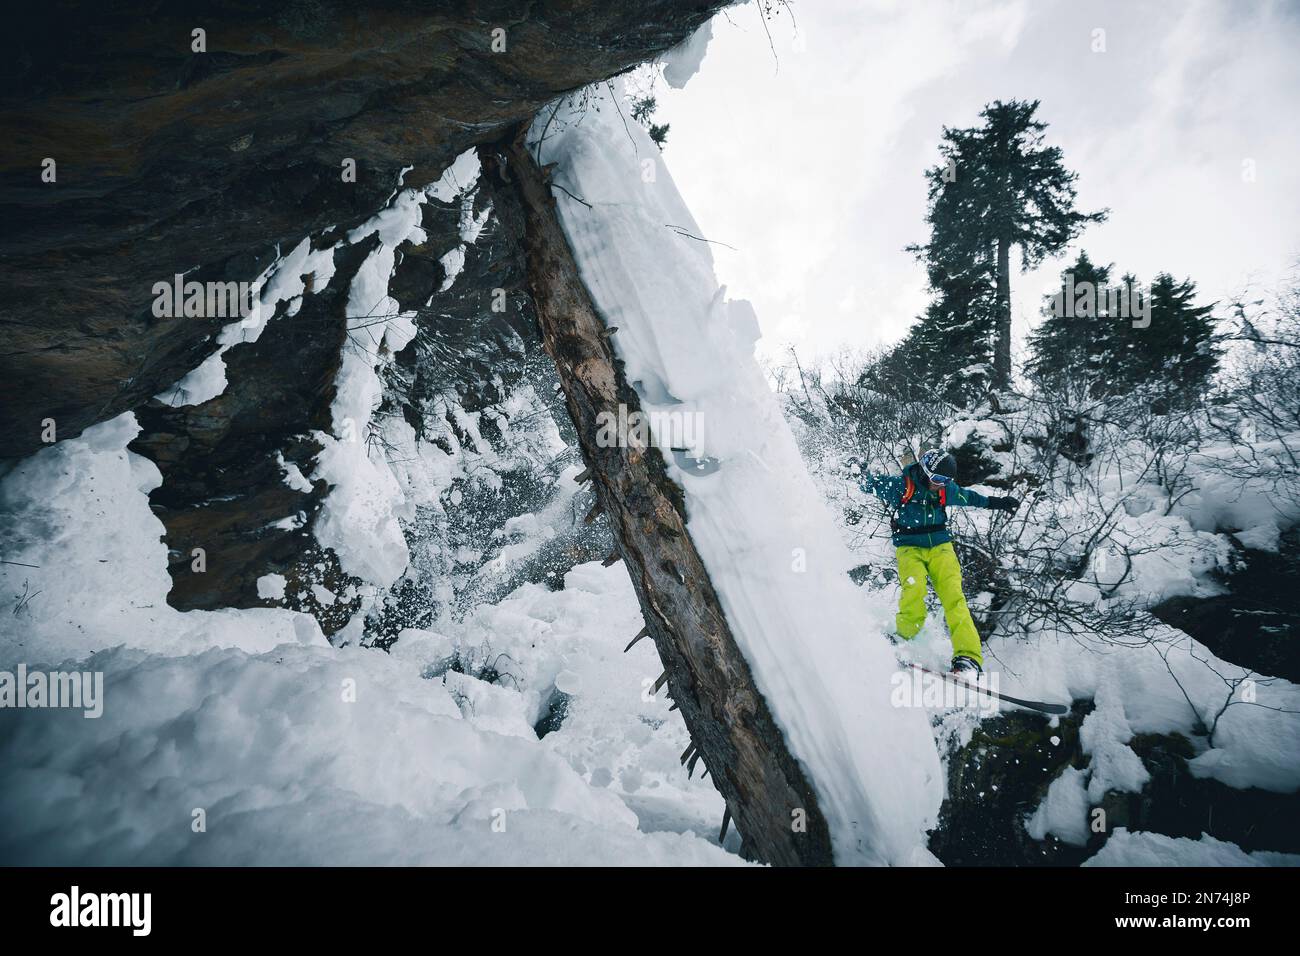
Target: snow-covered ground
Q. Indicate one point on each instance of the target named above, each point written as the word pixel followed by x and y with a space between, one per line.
pixel 82 544
pixel 1154 849
pixel 296 751
pixel 249 727
pixel 1243 726
pixel 1172 684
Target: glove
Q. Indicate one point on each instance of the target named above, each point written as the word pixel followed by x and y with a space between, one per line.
pixel 1004 504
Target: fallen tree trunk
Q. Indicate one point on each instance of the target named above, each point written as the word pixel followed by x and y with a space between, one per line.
pixel 767 793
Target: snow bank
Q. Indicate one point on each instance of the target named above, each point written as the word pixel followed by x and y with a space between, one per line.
pixel 684 60
pixel 297 756
pixel 566 648
pixel 1155 849
pixel 242 737
pixel 1259 507
pixel 87 551
pixel 772 550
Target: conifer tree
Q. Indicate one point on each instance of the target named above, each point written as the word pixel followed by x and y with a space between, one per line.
pixel 1175 355
pixel 1069 346
pixel 1121 339
pixel 998 186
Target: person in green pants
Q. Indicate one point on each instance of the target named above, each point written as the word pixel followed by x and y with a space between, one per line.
pixel 920 497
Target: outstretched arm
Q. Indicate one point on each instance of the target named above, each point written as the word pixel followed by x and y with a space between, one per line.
pixel 888 488
pixel 957 495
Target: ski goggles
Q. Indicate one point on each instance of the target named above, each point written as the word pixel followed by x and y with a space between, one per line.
pixel 934 475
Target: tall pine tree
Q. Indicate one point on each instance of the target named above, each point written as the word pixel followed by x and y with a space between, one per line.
pixel 998 186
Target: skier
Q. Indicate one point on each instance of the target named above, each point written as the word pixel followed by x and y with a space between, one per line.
pixel 920 497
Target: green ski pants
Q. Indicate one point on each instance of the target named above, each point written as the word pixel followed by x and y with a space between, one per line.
pixel 940 565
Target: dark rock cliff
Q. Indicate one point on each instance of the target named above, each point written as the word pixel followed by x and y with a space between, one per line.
pixel 173 161
pixel 215 163
pixel 998 779
pixel 1255 622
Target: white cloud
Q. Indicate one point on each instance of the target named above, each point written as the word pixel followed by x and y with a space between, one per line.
pixel 811 165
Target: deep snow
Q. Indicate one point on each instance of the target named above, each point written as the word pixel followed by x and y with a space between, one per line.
pixel 299 752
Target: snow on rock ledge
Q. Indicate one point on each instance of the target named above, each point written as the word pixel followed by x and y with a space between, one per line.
pixel 683 61
pixel 87 548
pixel 1156 849
pixel 360 517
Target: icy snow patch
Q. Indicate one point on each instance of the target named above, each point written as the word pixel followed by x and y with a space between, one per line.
pixel 79 515
pixel 1104 735
pixel 293 477
pixel 270 587
pixel 1064 810
pixel 683 61
pixel 1125 848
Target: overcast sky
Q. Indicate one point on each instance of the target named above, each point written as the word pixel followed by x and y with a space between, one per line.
pixel 811 163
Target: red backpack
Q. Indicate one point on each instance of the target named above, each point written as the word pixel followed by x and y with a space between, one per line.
pixel 909 489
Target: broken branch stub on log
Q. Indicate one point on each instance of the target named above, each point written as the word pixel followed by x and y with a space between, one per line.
pixel 639 634
pixel 763 785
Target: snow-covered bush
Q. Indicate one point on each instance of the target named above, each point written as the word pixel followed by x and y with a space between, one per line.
pixel 1124 504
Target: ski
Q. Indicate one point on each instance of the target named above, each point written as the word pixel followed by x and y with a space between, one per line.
pixel 1038 705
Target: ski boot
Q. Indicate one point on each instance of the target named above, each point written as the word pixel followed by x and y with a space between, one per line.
pixel 966 667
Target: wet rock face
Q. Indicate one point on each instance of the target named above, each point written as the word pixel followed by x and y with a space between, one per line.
pixel 474 389
pixel 998 779
pixel 994 784
pixel 223 488
pixel 1256 623
pixel 1178 804
pixel 173 161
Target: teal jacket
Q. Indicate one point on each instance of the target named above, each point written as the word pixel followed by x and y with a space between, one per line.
pixel 922 510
